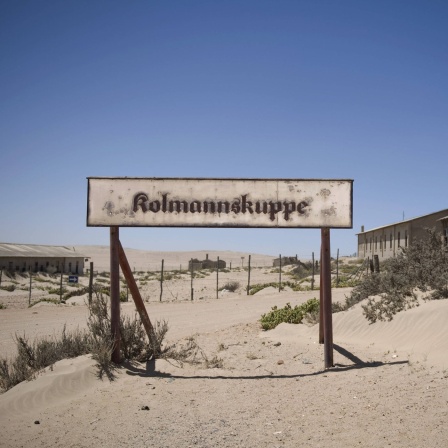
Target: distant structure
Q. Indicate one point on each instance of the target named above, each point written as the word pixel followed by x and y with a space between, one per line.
pixel 285 261
pixel 197 265
pixel 37 258
pixel 385 241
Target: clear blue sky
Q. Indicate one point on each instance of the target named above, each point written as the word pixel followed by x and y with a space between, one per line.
pixel 247 88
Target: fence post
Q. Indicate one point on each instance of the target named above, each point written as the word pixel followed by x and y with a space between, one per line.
pixel 217 277
pixel 191 274
pixel 312 278
pixel 376 263
pixel 1 274
pixel 248 278
pixel 29 297
pixel 90 282
pixel 280 275
pixel 60 284
pixel 161 281
pixel 337 268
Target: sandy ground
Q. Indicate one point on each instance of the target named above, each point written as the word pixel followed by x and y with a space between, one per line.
pixel 389 386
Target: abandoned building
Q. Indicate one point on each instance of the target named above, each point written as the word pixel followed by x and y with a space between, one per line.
pixel 37 258
pixel 386 241
pixel 285 261
pixel 196 264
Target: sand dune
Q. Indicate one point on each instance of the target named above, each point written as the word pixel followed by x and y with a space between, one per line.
pixel 389 386
pixel 143 260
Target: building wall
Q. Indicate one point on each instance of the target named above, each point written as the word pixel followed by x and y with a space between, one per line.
pixel 386 241
pixel 51 265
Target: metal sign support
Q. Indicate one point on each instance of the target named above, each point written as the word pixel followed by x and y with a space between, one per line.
pixel 115 293
pixel 326 298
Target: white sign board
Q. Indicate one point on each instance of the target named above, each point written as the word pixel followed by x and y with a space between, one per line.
pixel 188 202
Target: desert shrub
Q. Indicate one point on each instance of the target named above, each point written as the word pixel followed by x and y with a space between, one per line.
pixel 344 282
pixel 421 266
pixel 33 356
pixel 76 292
pixel 259 286
pixel 123 296
pixel 230 286
pixel 102 280
pixel 213 363
pixel 295 286
pixel 134 344
pixel 288 314
pixel 349 268
pixel 2 306
pixel 57 291
pixel 9 288
pixel 301 270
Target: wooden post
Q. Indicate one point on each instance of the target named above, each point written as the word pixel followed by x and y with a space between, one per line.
pixel 312 278
pixel 248 278
pixel 161 281
pixel 217 277
pixel 90 282
pixel 1 274
pixel 326 294
pixel 60 283
pixel 376 263
pixel 29 297
pixel 321 303
pixel 135 293
pixel 115 293
pixel 280 275
pixel 337 269
pixel 191 275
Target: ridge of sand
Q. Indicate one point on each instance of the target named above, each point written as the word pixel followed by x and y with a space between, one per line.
pixel 389 386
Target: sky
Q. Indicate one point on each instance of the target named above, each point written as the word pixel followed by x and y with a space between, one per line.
pixel 284 89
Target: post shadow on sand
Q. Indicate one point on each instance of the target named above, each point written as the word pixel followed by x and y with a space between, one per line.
pixel 150 370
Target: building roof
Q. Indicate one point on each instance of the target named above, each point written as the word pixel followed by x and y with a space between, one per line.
pixel 401 222
pixel 34 250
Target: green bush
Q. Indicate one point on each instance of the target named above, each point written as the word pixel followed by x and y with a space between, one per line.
pixel 422 266
pixel 259 286
pixel 123 296
pixel 288 314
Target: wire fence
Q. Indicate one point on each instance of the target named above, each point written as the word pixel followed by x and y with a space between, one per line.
pixel 194 280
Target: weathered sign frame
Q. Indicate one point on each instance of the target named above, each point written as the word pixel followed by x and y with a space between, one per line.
pixel 221 203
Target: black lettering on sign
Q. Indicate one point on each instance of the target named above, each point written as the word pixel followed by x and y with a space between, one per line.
pixel 242 205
